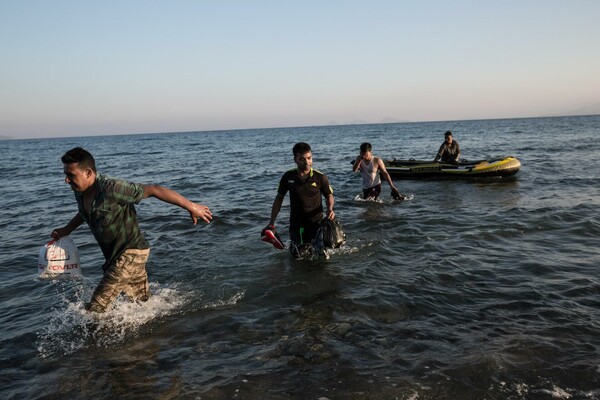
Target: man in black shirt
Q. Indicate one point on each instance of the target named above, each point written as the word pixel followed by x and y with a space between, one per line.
pixel 306 186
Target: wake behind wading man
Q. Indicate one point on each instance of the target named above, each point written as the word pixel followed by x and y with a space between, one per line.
pixel 107 205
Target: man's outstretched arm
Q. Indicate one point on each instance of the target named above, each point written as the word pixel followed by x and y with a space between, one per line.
pixel 172 197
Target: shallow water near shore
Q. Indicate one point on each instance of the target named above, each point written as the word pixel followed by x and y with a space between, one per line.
pixel 477 289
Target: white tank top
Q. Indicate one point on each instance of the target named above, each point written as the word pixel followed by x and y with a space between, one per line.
pixel 370 174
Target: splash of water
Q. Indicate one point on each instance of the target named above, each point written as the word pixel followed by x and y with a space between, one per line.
pixel 71 328
pixel 232 301
pixel 407 197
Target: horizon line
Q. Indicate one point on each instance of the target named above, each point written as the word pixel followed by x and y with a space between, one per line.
pixel 7 137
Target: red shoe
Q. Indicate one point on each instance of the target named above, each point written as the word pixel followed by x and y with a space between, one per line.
pixel 272 237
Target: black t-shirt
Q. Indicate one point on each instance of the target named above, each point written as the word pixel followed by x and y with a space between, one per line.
pixel 306 202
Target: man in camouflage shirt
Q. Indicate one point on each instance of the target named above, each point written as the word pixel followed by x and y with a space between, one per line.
pixel 107 205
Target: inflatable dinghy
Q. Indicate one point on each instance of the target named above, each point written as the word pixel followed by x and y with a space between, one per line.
pixel 495 167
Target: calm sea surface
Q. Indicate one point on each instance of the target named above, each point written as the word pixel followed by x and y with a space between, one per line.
pixel 485 289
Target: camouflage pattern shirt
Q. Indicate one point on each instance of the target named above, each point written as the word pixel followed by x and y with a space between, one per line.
pixel 113 219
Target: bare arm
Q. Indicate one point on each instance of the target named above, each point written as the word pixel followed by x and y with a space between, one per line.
pixel 73 224
pixel 276 208
pixel 329 201
pixel 357 163
pixel 384 173
pixel 172 197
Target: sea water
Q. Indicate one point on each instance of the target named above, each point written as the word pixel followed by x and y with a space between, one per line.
pixel 480 289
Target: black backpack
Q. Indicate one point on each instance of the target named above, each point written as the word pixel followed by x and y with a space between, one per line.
pixel 333 234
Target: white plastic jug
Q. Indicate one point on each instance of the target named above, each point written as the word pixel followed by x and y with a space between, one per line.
pixel 59 259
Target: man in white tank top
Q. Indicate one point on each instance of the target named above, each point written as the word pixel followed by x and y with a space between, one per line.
pixel 371 167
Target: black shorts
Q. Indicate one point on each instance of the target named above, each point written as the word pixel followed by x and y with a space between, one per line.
pixel 372 192
pixel 307 243
pixel 304 235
